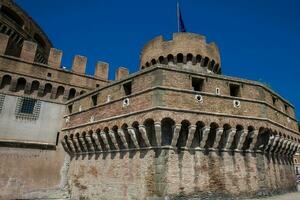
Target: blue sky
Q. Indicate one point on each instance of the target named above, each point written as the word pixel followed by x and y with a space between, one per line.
pixel 258 39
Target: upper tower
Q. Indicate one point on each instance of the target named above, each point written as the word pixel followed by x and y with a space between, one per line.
pixel 186 50
pixel 19 26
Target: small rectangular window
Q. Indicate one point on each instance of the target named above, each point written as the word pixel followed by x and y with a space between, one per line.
pixel 95 99
pixel 197 84
pixel 234 90
pixel 286 108
pixel 70 108
pixel 127 88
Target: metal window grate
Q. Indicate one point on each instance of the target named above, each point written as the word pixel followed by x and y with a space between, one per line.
pixel 2 97
pixel 27 108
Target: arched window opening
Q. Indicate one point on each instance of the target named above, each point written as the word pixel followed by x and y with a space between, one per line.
pixel 118 138
pixel 109 140
pixel 98 136
pixel 205 62
pixel 167 125
pixel 60 91
pixel 237 136
pixel 21 83
pixel 147 64
pixel 179 58
pixel 6 80
pixel 249 138
pixel 150 130
pixel 139 137
pixel 262 139
pixel 170 58
pixel 34 86
pixel 198 134
pixel 212 135
pixel 183 134
pixel 127 136
pixel 198 59
pixel 48 88
pixel 226 131
pixel 189 58
pixel 153 62
pixel 161 60
pixel 72 93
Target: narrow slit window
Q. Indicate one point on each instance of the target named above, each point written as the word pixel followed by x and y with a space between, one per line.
pixel 94 99
pixel 197 84
pixel 70 108
pixel 127 88
pixel 274 100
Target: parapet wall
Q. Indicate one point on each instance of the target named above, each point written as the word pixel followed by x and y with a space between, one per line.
pixel 23 75
pixel 183 48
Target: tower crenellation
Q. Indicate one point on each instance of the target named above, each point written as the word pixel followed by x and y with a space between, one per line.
pixel 189 50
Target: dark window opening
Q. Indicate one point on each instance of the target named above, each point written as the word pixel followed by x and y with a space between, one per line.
pixel 95 99
pixel 49 75
pixel 274 100
pixel 12 15
pixel 70 108
pixel 6 80
pixel 127 88
pixel 47 89
pixel 97 85
pixel 179 58
pixel 60 91
pixel 206 61
pixel 234 90
pixel 286 107
pixel 72 93
pixel 197 84
pixel 39 40
pixel 21 83
pixel 27 106
pixel 34 86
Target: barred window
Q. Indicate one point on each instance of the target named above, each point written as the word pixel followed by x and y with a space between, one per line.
pixel 2 97
pixel 28 108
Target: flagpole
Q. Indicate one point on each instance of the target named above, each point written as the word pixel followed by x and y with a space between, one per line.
pixel 177 16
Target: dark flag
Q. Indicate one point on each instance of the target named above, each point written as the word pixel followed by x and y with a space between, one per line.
pixel 180 23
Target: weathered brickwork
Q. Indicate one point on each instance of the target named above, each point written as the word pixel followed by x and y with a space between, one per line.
pixel 156 174
pixel 176 129
pixel 201 134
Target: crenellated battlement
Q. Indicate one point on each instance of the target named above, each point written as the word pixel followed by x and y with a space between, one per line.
pixel 23 75
pixel 186 48
pixel 29 50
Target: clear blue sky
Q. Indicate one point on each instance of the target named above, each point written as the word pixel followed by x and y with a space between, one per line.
pixel 258 39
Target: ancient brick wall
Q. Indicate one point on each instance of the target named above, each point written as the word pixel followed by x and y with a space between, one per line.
pixel 150 174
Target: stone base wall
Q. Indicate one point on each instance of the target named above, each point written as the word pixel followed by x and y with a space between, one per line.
pixel 156 174
pixel 23 171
